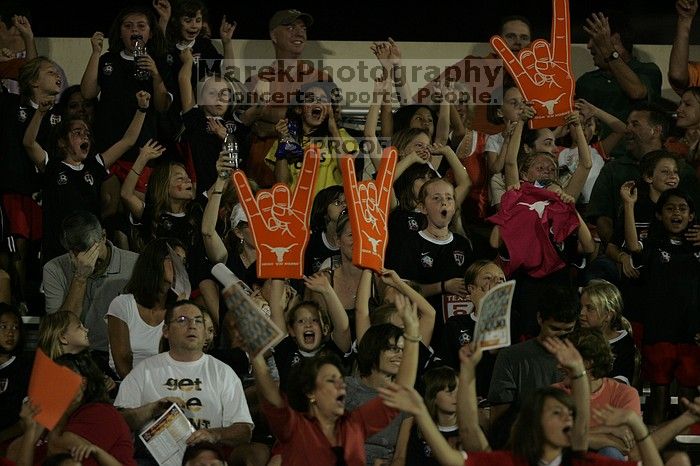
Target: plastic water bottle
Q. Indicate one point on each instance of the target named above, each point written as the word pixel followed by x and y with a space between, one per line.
pixel 289 147
pixel 139 51
pixel 230 147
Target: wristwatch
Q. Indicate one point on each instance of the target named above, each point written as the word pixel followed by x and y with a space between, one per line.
pixel 613 56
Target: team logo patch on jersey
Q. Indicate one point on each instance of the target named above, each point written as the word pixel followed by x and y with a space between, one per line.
pixel 62 179
pixel 665 257
pixel 413 224
pixel 167 224
pixel 426 261
pixel 55 119
pixel 22 115
pixel 459 257
pixel 107 69
pixel 464 338
pixel 170 59
pixel 89 179
pixel 296 360
pixel 230 126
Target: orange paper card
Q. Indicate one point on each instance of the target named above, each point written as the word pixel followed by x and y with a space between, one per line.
pixel 543 70
pixel 368 208
pixel 52 388
pixel 279 220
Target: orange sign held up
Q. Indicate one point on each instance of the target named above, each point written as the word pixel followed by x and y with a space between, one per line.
pixel 52 388
pixel 368 209
pixel 279 220
pixel 543 70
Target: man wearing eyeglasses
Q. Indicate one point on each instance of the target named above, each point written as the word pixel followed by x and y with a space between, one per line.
pixel 207 390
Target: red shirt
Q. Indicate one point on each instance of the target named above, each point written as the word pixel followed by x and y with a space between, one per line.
pixel 301 442
pixel 506 458
pixel 102 425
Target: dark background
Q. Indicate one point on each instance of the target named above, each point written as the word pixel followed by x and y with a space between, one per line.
pixel 443 21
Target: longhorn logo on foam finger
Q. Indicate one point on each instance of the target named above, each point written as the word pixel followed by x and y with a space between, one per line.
pixel 543 70
pixel 279 220
pixel 368 208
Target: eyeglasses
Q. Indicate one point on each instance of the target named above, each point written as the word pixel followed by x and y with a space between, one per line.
pixel 185 321
pixel 80 132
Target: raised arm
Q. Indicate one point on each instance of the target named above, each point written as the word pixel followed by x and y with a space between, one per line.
pixel 598 30
pixel 364 292
pixel 442 128
pixel 617 126
pixel 380 95
pixel 586 243
pixel 470 433
pixel 426 321
pixel 25 31
pixel 628 193
pixel 408 311
pixel 462 181
pixel 318 283
pixel 512 174
pixel 578 179
pixel 131 134
pixel 213 244
pixel 151 150
pixel 282 172
pixel 226 32
pixel 569 358
pixel 34 150
pixel 277 304
pixel 161 98
pixel 89 88
pixel 267 388
pixel 678 63
pixel 408 400
pixel 184 80
pixel 398 74
pixel 164 10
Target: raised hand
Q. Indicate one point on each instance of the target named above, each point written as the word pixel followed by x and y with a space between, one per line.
pixel 143 99
pixel 628 192
pixel 318 282
pixel 469 358
pixel 226 30
pixel 566 353
pixel 163 8
pixel 23 26
pixel 97 41
pixel 215 126
pixel 686 9
pixel 585 108
pixel 609 416
pixel 543 70
pixel 186 56
pixel 279 220
pixel 151 150
pixel 404 399
pixel 368 207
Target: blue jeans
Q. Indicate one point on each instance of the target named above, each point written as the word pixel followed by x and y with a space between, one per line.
pixel 612 452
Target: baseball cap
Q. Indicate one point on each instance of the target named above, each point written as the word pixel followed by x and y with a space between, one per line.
pixel 286 17
pixel 238 215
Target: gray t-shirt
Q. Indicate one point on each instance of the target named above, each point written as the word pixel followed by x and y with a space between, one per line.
pixel 382 444
pixel 99 291
pixel 520 370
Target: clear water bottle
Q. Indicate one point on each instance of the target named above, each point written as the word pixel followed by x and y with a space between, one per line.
pixel 139 51
pixel 289 147
pixel 230 147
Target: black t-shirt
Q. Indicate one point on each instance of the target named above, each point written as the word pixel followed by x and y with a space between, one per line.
pixel 208 61
pixel 459 331
pixel 623 351
pixel 68 188
pixel 317 251
pixel 419 453
pixel 205 145
pixel 249 274
pixel 14 381
pixel 19 174
pixel 426 260
pixel 287 355
pixel 117 104
pixel 402 221
pixel 670 276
